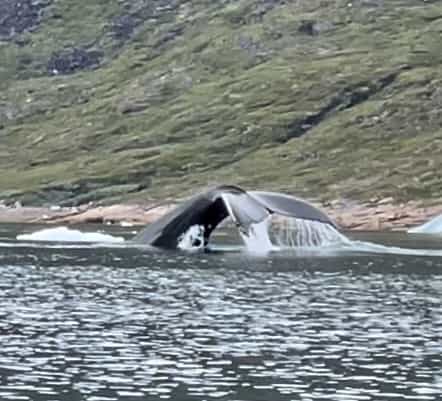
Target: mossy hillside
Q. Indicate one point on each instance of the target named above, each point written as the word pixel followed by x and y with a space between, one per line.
pixel 316 98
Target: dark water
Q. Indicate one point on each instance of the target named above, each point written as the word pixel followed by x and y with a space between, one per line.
pixel 119 323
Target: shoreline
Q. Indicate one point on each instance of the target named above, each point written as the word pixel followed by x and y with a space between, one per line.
pixel 383 215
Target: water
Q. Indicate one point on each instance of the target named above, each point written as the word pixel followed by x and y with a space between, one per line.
pixel 111 322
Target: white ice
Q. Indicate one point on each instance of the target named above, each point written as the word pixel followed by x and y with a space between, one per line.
pixel 64 234
pixel 434 226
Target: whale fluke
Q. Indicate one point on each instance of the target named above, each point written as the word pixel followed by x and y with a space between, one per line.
pixel 210 208
pixel 290 206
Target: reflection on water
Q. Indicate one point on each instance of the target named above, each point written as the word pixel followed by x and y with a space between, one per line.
pixel 105 324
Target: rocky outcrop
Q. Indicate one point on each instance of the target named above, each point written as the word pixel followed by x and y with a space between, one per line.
pixel 18 16
pixel 137 12
pixel 382 215
pixel 346 98
pixel 134 214
pixel 72 60
pixel 314 28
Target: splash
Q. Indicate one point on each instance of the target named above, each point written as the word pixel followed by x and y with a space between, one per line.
pixel 282 233
pixel 273 234
pixel 64 234
pixel 296 233
pixel 257 238
pixel 192 239
pixel 299 234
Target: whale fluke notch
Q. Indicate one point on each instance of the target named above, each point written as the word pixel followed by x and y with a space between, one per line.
pixel 210 208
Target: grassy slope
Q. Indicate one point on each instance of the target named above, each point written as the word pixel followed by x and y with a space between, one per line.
pixel 312 97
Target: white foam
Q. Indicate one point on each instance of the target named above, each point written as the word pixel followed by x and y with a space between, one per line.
pixel 305 235
pixel 192 239
pixel 300 233
pixel 64 234
pixel 257 238
pixel 434 226
pixel 291 233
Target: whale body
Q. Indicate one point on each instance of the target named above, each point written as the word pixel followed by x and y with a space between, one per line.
pixel 208 209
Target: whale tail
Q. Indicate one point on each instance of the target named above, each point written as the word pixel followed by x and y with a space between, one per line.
pixel 207 210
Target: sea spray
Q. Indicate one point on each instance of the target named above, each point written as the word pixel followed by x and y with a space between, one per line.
pixel 288 232
pixel 257 238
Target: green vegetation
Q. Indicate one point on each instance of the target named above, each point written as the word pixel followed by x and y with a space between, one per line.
pixel 324 99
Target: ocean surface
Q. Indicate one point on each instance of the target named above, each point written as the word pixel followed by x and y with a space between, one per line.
pixel 102 322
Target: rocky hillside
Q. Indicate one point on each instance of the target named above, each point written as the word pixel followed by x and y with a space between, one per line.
pixel 134 99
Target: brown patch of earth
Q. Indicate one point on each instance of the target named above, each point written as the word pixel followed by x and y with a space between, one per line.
pixel 378 216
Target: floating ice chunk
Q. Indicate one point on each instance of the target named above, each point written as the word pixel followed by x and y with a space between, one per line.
pixel 126 224
pixel 64 234
pixel 434 226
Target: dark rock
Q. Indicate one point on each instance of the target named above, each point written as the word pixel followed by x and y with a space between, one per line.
pixel 254 49
pixel 169 36
pixel 73 60
pixel 314 28
pixel 345 99
pixel 124 25
pixel 18 16
pixel 137 12
pixel 371 3
pixel 262 8
pixel 128 107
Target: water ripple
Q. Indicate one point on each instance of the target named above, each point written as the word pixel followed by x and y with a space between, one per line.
pixel 123 324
